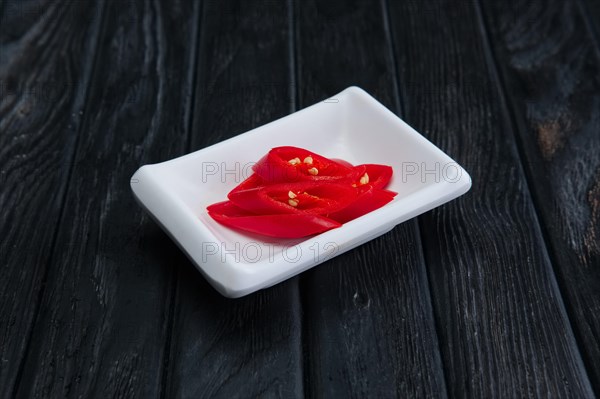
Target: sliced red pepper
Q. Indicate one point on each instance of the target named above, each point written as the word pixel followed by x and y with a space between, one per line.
pixel 286 164
pixel 377 176
pixel 253 181
pixel 308 197
pixel 294 193
pixel 294 225
pixel 369 199
pixel 228 208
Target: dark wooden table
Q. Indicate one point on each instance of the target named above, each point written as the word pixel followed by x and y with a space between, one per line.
pixel 496 294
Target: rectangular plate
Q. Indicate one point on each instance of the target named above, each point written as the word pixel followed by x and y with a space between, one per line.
pixel 352 126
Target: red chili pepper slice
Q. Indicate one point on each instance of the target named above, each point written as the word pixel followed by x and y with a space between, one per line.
pixel 377 176
pixel 308 197
pixel 369 199
pixel 295 193
pixel 253 181
pixel 286 164
pixel 293 225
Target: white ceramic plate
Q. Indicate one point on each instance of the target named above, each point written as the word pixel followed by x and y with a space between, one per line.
pixel 352 126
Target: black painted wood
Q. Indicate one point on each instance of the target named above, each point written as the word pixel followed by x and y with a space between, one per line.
pixel 96 301
pixel 248 347
pixel 503 329
pixel 591 12
pixel 368 324
pixel 46 54
pixel 103 317
pixel 551 69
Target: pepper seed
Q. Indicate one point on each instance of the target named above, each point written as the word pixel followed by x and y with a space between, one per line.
pixel 364 179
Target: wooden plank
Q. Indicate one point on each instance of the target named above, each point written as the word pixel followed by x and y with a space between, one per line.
pixel 247 347
pixel 591 11
pixel 504 331
pixel 46 54
pixel 368 324
pixel 551 70
pixel 103 317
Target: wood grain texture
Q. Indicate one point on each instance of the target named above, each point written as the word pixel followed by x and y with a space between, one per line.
pixel 102 323
pixel 46 54
pixel 248 347
pixel 368 324
pixel 96 301
pixel 591 12
pixel 504 331
pixel 551 70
